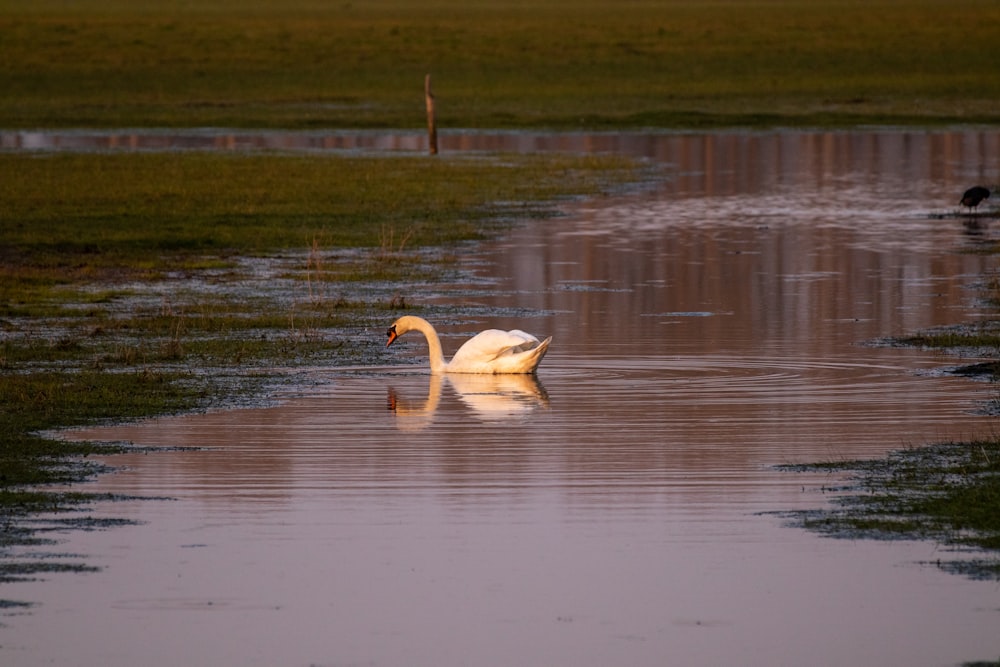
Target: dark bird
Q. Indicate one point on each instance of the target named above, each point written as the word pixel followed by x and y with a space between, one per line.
pixel 974 195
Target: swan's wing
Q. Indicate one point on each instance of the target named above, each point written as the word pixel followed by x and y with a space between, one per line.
pixel 529 340
pixel 491 344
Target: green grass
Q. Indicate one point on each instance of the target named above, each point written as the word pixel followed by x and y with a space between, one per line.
pixel 555 63
pixel 31 402
pixel 98 216
pixel 947 492
pixel 982 336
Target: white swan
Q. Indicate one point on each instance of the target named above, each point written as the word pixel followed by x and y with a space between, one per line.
pixel 491 351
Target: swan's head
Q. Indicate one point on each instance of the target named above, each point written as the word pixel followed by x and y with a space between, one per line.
pixel 409 323
pixel 393 335
pixel 398 328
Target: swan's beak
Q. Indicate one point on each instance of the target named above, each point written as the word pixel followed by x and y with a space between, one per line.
pixel 392 335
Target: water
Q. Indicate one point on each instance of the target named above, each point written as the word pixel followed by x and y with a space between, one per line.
pixel 623 507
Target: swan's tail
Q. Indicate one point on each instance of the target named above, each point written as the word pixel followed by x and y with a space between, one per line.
pixel 537 353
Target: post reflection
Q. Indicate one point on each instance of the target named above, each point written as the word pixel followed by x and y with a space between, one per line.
pixel 489 398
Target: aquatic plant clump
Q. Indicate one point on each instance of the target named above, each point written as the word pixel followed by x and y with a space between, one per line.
pixel 946 492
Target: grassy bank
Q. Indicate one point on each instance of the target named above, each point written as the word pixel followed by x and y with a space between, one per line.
pixel 140 284
pixel 72 216
pixel 555 64
pixel 949 493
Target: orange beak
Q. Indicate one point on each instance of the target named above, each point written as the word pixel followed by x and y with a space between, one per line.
pixel 392 335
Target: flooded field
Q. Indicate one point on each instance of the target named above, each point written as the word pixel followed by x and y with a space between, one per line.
pixel 622 508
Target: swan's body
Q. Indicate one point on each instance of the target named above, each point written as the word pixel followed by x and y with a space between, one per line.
pixel 491 351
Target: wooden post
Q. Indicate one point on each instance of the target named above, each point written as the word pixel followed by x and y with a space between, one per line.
pixel 432 133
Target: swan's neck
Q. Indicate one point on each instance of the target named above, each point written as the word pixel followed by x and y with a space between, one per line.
pixel 434 351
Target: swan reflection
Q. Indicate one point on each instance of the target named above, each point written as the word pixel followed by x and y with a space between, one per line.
pixel 490 398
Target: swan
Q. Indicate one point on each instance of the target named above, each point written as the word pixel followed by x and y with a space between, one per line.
pixel 490 351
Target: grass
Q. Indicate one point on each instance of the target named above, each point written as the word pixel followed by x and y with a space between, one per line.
pixel 980 336
pixel 946 492
pixel 69 217
pixel 35 401
pixel 552 64
pixel 30 462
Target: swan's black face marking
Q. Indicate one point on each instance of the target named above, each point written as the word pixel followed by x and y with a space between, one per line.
pixel 392 335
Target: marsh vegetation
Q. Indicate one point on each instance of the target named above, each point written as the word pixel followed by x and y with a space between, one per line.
pixel 554 64
pixel 948 492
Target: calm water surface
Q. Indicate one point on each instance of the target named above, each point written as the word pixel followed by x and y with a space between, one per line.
pixel 620 509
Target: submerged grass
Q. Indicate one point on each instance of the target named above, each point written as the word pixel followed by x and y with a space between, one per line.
pixel 946 492
pixel 29 462
pixel 555 64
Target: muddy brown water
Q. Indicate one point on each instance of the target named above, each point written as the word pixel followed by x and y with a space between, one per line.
pixel 622 508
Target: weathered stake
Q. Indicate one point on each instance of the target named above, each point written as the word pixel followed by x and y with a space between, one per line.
pixel 432 134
